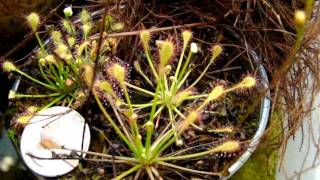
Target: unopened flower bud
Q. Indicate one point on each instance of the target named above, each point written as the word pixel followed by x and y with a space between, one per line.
pixel 300 17
pixel 134 116
pixel 71 41
pixel 216 51
pixel 8 66
pixel 33 21
pixel 172 79
pixel 88 74
pixel 56 37
pixel 50 59
pixel 68 11
pixel 137 66
pixel 194 48
pixel 6 163
pixel 84 16
pixel 149 125
pixel 179 142
pixel 166 51
pixel 61 51
pixel 145 38
pixel 167 69
pixel 86 29
pixel 139 136
pixel 42 61
pixel 186 36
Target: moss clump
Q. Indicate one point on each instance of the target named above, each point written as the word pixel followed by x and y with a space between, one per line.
pixel 262 164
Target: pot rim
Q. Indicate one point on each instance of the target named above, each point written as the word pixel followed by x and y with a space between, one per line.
pixel 264 117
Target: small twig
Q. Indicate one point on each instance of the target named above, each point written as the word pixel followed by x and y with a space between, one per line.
pixel 133 33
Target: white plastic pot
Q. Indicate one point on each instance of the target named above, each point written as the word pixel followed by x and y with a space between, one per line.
pixel 63 128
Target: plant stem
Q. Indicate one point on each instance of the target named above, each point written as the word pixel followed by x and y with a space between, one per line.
pixel 140 89
pixel 36 95
pixel 188 170
pixel 126 132
pixel 108 161
pixel 172 121
pixel 133 125
pixel 36 81
pixel 158 111
pixel 54 101
pixel 197 96
pixel 141 105
pixel 183 80
pixel 45 76
pixel 129 159
pixel 183 117
pixel 149 172
pixel 150 131
pixel 126 173
pixel 180 61
pixel 165 82
pixel 40 43
pixel 185 66
pixel 168 143
pixel 147 53
pixel 174 84
pixel 158 144
pixel 188 156
pixel 203 73
pixel 126 95
pixel 151 118
pixel 73 96
pixel 179 113
pixel 180 77
pixel 113 124
pixel 146 78
pixel 57 77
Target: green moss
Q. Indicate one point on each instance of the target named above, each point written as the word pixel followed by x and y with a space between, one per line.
pixel 262 164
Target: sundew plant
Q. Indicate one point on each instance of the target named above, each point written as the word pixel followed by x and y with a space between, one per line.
pixel 63 70
pixel 169 93
pixel 66 68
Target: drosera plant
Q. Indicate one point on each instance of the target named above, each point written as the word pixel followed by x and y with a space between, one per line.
pixel 64 63
pixel 170 88
pixel 148 145
pixel 65 72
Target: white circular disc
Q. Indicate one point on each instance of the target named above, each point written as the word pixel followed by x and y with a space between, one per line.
pixel 62 126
